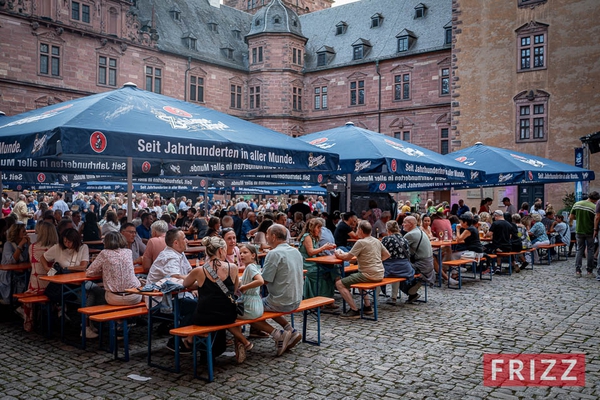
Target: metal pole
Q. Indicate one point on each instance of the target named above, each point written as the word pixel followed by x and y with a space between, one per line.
pixel 348 192
pixel 129 189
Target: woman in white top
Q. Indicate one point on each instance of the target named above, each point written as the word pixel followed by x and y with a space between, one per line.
pixel 70 252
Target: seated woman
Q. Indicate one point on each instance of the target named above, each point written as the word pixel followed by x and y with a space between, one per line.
pixel 115 265
pixel 398 265
pixel 468 240
pixel 538 235
pixel 309 240
pixel 90 230
pixel 214 225
pixel 112 223
pixel 46 238
pixel 297 226
pixel 426 226
pixel 260 237
pixel 15 250
pixel 70 253
pixel 232 254
pixel 214 306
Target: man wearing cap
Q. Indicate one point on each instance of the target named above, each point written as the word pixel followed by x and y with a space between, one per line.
pixel 510 208
pixel 500 234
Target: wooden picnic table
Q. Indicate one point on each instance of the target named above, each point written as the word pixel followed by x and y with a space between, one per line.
pixel 16 267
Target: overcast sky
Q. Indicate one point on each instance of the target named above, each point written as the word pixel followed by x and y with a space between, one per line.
pixel 340 2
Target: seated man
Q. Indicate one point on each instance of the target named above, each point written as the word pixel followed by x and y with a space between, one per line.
pixel 500 233
pixel 283 276
pixel 156 244
pixel 369 253
pixel 345 230
pixel 420 248
pixel 173 262
pixel 134 242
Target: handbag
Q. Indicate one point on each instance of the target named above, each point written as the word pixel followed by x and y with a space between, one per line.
pixel 239 304
pixel 54 290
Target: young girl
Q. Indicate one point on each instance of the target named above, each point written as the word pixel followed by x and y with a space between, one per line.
pixel 250 283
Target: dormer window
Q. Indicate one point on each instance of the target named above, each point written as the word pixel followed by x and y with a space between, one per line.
pixel 448 33
pixel 341 28
pixel 360 49
pixel 420 10
pixel 277 19
pixel 376 20
pixel 227 52
pixel 213 27
pixel 175 13
pixel 189 41
pixel 406 39
pixel 294 22
pixel 324 55
pixel 236 34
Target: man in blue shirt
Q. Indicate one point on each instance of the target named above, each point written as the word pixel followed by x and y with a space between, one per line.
pixel 143 229
pixel 462 208
pixel 248 224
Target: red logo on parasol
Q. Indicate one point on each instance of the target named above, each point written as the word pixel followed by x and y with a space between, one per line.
pixel 98 142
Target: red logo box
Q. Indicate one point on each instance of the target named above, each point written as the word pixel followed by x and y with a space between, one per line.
pixel 534 369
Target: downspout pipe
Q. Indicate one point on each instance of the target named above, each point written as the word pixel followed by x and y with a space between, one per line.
pixel 185 79
pixel 379 95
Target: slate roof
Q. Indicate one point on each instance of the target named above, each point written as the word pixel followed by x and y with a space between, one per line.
pixel 196 15
pixel 276 18
pixel 320 29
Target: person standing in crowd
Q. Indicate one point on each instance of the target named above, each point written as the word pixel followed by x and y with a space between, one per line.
pixel 462 208
pixel 21 211
pixel 584 212
pixel 510 208
pixel 59 203
pixel 299 206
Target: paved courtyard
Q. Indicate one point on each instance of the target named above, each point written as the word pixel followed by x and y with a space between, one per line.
pixel 432 350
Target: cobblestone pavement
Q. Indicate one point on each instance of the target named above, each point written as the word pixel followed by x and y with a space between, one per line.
pixel 431 350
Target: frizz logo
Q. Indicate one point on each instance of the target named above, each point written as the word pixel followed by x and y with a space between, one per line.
pixel 534 369
pixel 41 178
pixel 177 111
pixel 98 142
pixel 146 167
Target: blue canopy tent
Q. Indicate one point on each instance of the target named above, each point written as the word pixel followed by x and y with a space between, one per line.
pixel 505 167
pixel 118 130
pixel 368 157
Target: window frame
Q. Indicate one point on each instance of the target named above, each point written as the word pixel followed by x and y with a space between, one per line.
pixel 358 52
pixel 320 98
pixel 530 50
pixel 444 140
pixel 445 78
pixel 357 93
pixel 154 78
pixel 235 96
pixel 296 98
pixel 531 112
pixel 401 85
pixel 196 88
pixel 81 12
pixel 254 97
pixel 104 70
pixel 52 60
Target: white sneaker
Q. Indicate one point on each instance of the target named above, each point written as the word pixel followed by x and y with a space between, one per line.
pixel 452 282
pixel 89 333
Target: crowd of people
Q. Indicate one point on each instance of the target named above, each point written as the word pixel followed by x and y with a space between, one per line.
pixel 384 243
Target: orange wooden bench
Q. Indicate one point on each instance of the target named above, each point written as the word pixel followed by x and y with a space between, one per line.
pixel 40 299
pixel 203 335
pixel 556 246
pixel 100 309
pixel 367 288
pixel 115 316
